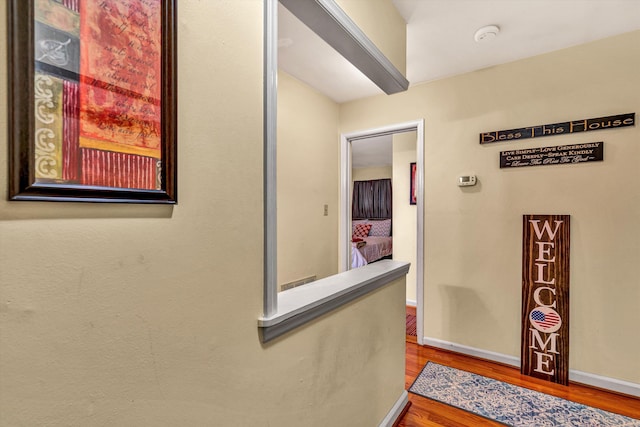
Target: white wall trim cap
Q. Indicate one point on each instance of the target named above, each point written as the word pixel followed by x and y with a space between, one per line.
pixel 302 304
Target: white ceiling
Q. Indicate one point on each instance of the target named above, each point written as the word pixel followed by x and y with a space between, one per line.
pixel 440 33
pixel 370 152
pixel 440 40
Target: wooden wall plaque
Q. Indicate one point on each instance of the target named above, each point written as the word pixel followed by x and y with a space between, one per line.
pixel 545 297
pixel 558 155
pixel 582 125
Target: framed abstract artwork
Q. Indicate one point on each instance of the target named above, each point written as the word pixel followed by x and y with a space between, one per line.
pixel 92 100
pixel 412 188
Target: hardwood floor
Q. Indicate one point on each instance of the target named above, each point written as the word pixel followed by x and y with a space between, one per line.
pixel 426 412
pixel 411 338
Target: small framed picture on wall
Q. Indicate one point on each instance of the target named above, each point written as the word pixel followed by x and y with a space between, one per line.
pixel 412 180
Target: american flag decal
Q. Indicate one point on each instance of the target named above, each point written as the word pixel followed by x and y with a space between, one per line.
pixel 545 319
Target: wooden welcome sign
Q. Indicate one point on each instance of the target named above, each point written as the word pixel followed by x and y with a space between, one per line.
pixel 545 297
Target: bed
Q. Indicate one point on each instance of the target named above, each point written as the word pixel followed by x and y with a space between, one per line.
pixel 370 241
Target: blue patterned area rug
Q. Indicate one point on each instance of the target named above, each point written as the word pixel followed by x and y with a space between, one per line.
pixel 506 403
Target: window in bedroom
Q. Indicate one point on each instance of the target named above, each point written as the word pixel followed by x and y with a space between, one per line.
pixel 372 199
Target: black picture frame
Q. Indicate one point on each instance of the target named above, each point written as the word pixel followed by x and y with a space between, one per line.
pixel 83 176
pixel 412 188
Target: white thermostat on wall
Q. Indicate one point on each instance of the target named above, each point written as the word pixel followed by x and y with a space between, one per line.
pixel 466 180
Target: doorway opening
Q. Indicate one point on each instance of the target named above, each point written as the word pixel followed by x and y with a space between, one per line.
pixel 345 203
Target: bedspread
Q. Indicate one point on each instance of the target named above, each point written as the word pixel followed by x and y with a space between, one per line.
pixel 376 248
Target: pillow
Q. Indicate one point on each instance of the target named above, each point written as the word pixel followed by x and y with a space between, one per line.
pixel 357 221
pixel 380 228
pixel 361 231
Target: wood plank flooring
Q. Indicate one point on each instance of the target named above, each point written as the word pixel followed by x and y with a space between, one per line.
pixel 411 338
pixel 426 412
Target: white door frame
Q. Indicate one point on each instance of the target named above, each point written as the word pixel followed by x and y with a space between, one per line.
pixel 345 204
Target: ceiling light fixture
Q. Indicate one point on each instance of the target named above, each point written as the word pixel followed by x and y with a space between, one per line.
pixel 487 33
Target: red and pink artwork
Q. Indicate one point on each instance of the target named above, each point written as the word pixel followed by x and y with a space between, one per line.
pixel 413 196
pixel 99 88
pixel 111 116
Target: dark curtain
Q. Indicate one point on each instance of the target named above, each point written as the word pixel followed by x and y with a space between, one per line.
pixel 371 199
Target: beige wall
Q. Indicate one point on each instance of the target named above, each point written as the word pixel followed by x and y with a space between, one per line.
pixel 383 24
pixel 473 235
pixel 404 214
pixel 367 174
pixel 308 159
pixel 146 315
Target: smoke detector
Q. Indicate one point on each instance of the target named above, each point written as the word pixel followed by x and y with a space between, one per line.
pixel 487 33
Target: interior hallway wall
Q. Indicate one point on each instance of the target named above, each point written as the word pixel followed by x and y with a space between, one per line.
pixel 370 173
pixel 308 174
pixel 141 315
pixel 383 24
pixel 405 220
pixel 473 235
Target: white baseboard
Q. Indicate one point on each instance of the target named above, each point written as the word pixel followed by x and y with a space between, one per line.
pixel 412 303
pixel 612 384
pixel 471 351
pixel 607 383
pixel 396 410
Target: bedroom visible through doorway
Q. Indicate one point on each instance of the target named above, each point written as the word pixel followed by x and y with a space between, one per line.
pixel 369 229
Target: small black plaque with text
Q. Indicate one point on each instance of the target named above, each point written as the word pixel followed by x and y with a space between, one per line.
pixel 558 155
